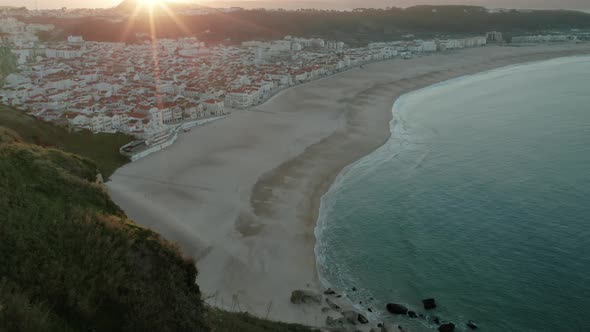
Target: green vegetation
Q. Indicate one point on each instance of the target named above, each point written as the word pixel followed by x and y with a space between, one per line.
pixel 72 261
pixel 104 148
pixel 223 321
pixel 8 63
pixel 66 245
pixel 353 27
pixel 18 313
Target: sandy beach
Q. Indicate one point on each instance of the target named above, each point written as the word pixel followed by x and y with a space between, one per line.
pixel 241 195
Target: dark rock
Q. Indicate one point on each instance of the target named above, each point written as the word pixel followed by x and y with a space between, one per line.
pixel 303 296
pixel 379 325
pixel 436 320
pixel 354 289
pixel 429 304
pixel 421 315
pixel 471 324
pixel 332 305
pixel 397 309
pixel 335 323
pixel 447 327
pixel 360 302
pixel 329 291
pixel 412 314
pixel 369 310
pixel 330 321
pixel 362 319
pixel 350 316
pixel 338 296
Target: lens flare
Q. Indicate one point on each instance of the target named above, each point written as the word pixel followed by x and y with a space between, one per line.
pixel 150 4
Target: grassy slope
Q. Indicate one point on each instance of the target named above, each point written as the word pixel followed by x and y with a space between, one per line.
pixel 104 148
pixel 223 321
pixel 72 261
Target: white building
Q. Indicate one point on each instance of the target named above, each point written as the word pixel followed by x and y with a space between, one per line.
pixel 429 46
pixel 76 40
pixel 63 53
pixel 156 118
pixel 240 98
pixel 11 25
pixel 296 47
pixel 214 107
pixel 22 55
pixel 543 39
pixel 475 41
pixel 194 113
pixel 318 43
pixel 494 37
pixel 335 45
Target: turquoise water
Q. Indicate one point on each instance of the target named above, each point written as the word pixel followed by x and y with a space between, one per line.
pixel 480 199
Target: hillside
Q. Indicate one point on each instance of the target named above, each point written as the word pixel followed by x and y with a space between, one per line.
pixel 353 27
pixel 72 261
pixel 101 147
pixel 130 6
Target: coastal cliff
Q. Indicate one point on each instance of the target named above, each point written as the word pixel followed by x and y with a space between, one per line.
pixel 73 261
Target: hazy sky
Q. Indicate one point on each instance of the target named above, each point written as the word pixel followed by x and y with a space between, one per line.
pixel 60 3
pixel 577 4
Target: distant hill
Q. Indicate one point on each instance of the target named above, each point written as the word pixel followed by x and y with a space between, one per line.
pixel 350 4
pixel 127 5
pixel 131 5
pixel 352 27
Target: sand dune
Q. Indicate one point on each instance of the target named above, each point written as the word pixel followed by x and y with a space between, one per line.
pixel 242 194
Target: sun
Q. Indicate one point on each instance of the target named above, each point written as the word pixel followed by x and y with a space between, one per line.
pixel 151 4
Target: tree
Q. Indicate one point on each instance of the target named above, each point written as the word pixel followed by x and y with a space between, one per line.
pixel 8 63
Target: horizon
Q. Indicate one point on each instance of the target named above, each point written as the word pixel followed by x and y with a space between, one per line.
pixel 319 4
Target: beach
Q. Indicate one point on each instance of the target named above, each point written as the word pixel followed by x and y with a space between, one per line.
pixel 241 195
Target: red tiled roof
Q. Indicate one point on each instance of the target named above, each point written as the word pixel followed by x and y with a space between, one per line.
pixel 137 115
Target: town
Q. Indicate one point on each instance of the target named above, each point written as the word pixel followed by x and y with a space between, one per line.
pixel 148 88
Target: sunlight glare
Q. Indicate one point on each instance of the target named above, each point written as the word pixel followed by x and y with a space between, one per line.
pixel 150 4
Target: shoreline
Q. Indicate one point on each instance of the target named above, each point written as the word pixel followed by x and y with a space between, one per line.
pixel 245 201
pixel 379 153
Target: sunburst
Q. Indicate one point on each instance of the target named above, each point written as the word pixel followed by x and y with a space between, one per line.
pixel 151 4
pixel 153 8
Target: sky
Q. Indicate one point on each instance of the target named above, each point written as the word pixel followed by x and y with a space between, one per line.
pixel 553 4
pixel 60 3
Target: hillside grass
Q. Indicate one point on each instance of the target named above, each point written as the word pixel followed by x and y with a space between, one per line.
pixel 66 247
pixel 103 148
pixel 223 321
pixel 71 260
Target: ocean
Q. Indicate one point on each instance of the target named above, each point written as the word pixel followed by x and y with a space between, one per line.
pixel 480 199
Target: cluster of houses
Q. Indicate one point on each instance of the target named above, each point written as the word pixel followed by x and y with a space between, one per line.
pixel 15 32
pixel 544 38
pixel 429 46
pixel 146 87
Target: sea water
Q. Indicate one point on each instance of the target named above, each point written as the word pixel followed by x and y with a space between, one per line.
pixel 480 199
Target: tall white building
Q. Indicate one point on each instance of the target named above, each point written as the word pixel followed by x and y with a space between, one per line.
pixel 76 40
pixel 156 118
